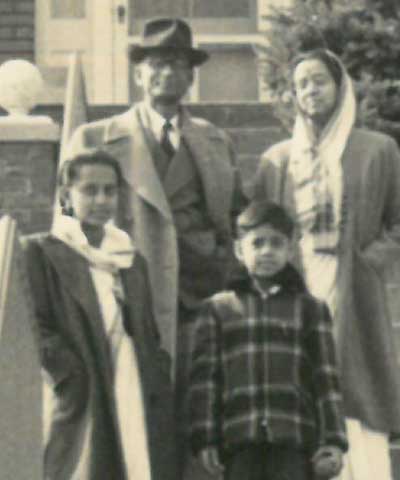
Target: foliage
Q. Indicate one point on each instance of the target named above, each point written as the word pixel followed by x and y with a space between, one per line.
pixel 364 33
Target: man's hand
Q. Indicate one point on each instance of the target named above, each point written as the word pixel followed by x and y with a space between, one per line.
pixel 209 458
pixel 328 461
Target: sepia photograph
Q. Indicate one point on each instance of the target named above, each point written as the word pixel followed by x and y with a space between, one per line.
pixel 199 240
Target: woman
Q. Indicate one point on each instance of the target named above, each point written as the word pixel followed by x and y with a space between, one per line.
pixel 342 184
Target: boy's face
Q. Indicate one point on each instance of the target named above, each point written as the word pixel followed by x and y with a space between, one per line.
pixel 93 196
pixel 264 250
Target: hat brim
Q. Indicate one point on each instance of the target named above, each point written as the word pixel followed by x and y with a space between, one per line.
pixel 196 56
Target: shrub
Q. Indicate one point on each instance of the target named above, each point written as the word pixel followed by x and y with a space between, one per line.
pixel 365 34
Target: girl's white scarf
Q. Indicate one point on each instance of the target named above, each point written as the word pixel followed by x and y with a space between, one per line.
pixel 309 154
pixel 116 250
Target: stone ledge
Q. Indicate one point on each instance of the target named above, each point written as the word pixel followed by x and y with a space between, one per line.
pixel 39 129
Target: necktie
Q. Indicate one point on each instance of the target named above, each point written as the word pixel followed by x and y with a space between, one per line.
pixel 165 141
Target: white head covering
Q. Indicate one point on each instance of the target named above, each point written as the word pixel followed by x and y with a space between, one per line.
pixel 325 152
pixel 116 250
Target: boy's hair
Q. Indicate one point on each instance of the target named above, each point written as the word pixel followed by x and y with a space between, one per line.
pixel 69 171
pixel 264 213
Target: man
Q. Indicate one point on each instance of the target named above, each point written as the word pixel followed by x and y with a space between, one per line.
pixel 182 186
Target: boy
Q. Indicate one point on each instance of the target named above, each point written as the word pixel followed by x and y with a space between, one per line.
pixel 265 400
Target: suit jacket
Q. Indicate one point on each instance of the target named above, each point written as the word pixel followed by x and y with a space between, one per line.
pixel 370 242
pixel 84 440
pixel 145 210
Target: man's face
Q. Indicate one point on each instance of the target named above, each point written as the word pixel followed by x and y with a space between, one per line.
pixel 164 77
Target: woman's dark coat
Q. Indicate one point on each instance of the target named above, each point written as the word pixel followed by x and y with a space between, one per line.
pixel 84 442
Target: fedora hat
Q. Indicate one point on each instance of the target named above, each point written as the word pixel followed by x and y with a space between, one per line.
pixel 167 34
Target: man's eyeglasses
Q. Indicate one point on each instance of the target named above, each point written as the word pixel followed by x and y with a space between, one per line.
pixel 174 63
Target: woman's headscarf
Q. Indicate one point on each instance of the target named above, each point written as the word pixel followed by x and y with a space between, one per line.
pixel 316 167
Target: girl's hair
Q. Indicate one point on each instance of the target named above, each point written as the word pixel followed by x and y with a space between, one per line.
pixel 70 169
pixel 259 213
pixel 324 56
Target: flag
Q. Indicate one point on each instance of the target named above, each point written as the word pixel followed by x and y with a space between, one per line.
pixel 75 107
pixel 75 112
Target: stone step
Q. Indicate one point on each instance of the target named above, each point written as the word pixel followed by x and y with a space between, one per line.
pixel 232 116
pixel 247 140
pixel 255 140
pixel 248 167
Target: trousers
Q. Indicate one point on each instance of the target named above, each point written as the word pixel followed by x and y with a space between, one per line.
pixel 268 462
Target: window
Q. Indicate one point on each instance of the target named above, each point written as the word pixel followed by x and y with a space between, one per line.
pixel 191 8
pixel 220 8
pixel 68 8
pixel 229 75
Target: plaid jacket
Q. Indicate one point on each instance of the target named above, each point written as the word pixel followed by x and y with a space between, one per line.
pixel 264 369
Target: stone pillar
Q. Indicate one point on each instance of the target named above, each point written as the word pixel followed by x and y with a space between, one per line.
pixel 28 149
pixel 28 165
pixel 28 168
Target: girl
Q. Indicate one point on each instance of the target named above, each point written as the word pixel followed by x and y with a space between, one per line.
pixel 111 410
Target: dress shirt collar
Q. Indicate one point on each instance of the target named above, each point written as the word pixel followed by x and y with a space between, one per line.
pixel 157 122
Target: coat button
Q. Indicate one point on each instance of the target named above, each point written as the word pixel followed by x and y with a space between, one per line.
pixel 266 429
pixel 264 423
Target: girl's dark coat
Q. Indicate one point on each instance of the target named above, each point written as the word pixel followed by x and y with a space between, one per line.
pixel 76 359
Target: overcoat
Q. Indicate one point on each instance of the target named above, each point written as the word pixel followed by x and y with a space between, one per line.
pixel 370 241
pixel 145 210
pixel 84 441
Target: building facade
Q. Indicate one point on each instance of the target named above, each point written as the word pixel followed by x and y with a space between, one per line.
pixel 103 30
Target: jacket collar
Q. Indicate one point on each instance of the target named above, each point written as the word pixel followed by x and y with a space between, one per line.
pixel 287 280
pixel 121 125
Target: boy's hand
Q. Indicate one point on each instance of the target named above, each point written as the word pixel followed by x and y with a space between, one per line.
pixel 209 458
pixel 328 461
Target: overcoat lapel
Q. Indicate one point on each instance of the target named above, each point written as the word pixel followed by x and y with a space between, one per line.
pixel 75 275
pixel 125 138
pixel 216 174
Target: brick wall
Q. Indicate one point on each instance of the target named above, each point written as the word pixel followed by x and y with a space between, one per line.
pixel 17 29
pixel 27 181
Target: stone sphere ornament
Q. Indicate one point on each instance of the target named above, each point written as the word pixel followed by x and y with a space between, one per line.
pixel 21 85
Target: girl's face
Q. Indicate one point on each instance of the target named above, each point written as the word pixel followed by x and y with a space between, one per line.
pixel 315 89
pixel 93 196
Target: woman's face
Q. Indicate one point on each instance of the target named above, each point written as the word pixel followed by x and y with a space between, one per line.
pixel 315 89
